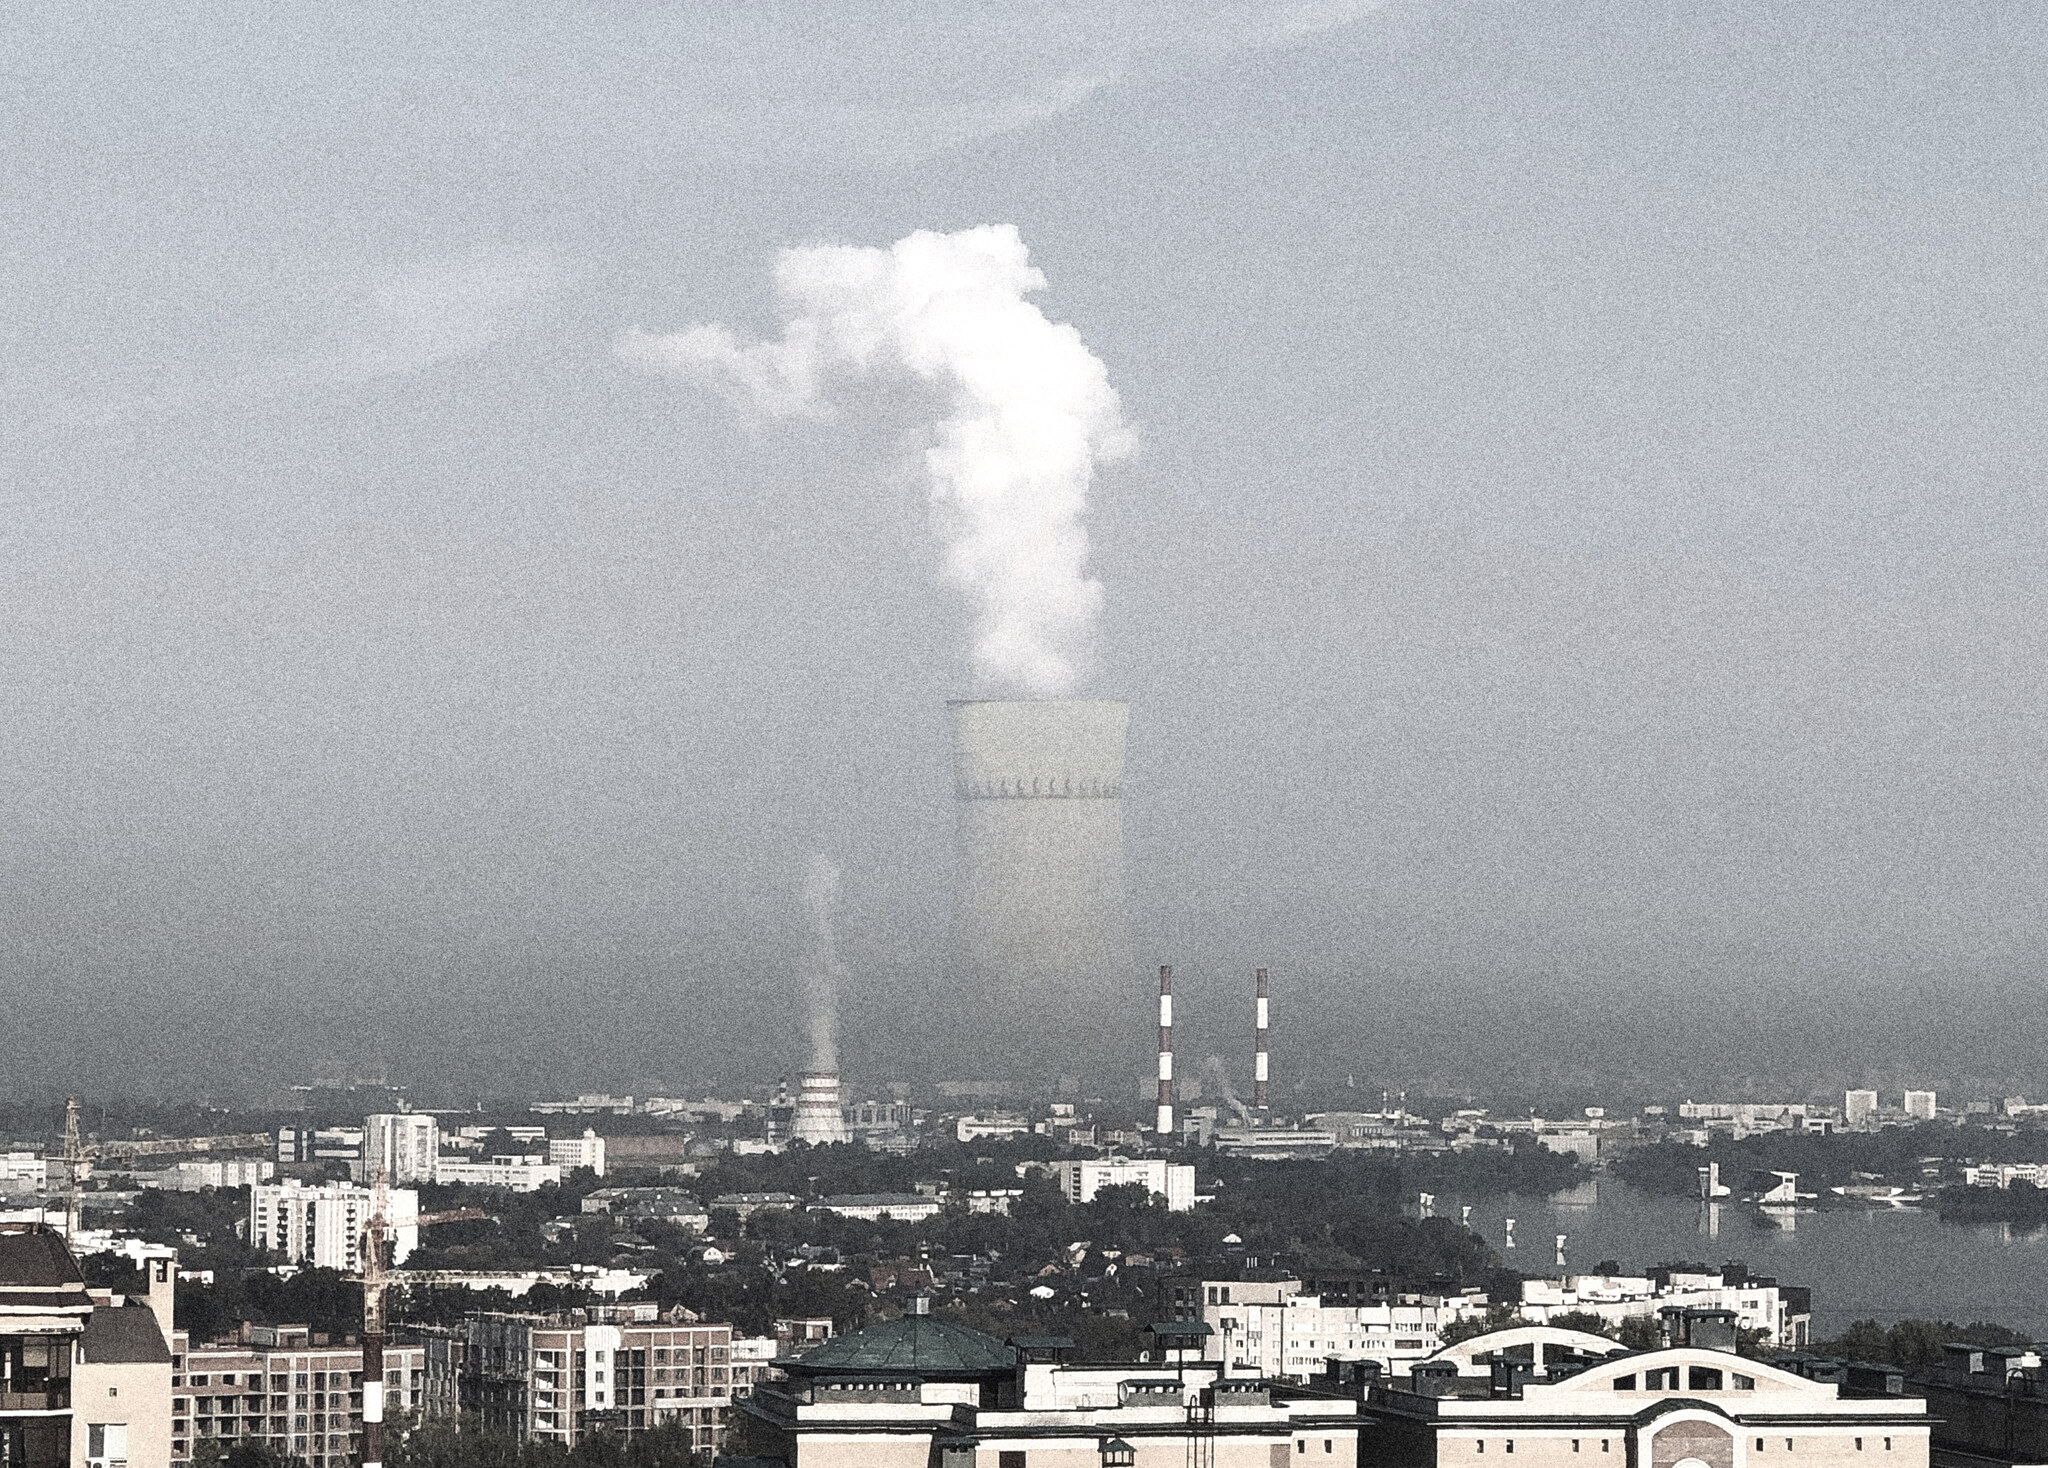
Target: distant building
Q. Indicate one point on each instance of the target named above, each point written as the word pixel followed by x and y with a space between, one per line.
pixel 1783 1314
pixel 874 1207
pixel 668 1205
pixel 24 1168
pixel 282 1388
pixel 746 1205
pixel 2005 1174
pixel 1081 1180
pixel 1919 1105
pixel 523 1173
pixel 1859 1110
pixel 570 1153
pixel 323 1226
pixel 999 1125
pixel 557 1378
pixel 298 1144
pixel 588 1105
pixel 196 1176
pixel 1279 1328
pixel 405 1144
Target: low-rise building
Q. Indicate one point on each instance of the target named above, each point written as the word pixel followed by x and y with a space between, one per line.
pixel 1781 1314
pixel 1287 1328
pixel 918 1391
pixel 323 1226
pixel 1083 1178
pixel 874 1207
pixel 286 1389
pixel 297 1145
pixel 668 1205
pixel 999 1125
pixel 516 1173
pixel 1558 1399
pixel 195 1176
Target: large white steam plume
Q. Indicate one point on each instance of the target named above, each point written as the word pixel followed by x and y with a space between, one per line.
pixel 1028 413
pixel 822 970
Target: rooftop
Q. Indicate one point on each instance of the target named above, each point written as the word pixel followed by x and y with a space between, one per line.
pixel 917 1344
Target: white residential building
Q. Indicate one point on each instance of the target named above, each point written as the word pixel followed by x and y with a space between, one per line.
pixel 1920 1105
pixel 1174 1181
pixel 1000 1126
pixel 1271 1329
pixel 570 1153
pixel 405 1144
pixel 520 1174
pixel 1859 1110
pixel 323 1226
pixel 1760 1305
pixel 2005 1174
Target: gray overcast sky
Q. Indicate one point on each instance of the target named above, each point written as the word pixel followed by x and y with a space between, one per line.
pixel 1580 591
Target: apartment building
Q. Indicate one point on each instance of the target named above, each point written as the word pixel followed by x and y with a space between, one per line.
pixel 1782 1314
pixel 1289 1329
pixel 405 1145
pixel 85 1378
pixel 554 1378
pixel 1174 1181
pixel 323 1226
pixel 516 1173
pixel 283 1387
pixel 570 1153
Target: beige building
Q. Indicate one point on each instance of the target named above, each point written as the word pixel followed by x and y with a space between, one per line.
pixel 1550 1398
pixel 84 1375
pixel 280 1387
pixel 920 1391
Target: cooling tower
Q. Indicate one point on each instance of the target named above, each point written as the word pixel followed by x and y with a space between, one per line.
pixel 1042 933
pixel 819 1120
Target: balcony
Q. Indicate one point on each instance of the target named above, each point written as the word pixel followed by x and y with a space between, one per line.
pixel 55 1397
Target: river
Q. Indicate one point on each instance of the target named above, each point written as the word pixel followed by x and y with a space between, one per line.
pixel 1861 1263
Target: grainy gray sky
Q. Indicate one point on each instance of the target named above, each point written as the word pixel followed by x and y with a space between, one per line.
pixel 1580 589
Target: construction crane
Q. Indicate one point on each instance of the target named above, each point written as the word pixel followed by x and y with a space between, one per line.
pixel 79 1156
pixel 377 1236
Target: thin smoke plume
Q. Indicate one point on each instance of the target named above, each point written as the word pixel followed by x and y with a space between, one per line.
pixel 822 970
pixel 1214 1068
pixel 1027 415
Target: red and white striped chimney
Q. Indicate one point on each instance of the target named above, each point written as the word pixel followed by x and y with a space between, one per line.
pixel 1259 1053
pixel 1165 1052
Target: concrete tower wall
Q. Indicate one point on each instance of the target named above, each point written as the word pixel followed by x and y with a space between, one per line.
pixel 1042 929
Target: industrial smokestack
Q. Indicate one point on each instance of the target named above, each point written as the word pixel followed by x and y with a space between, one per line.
pixel 1043 935
pixel 1259 1050
pixel 819 1120
pixel 1165 1052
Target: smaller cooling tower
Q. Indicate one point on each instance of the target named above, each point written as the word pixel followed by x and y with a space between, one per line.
pixel 818 1118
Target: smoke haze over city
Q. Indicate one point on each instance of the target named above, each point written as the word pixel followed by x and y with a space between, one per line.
pixel 1579 587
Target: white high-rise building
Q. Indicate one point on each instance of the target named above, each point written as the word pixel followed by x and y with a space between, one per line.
pixel 323 1226
pixel 1859 1110
pixel 405 1144
pixel 1920 1105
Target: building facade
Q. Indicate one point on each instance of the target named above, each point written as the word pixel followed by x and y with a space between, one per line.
pixel 405 1145
pixel 1081 1180
pixel 1555 1398
pixel 323 1226
pixel 282 1388
pixel 84 1378
pixel 570 1153
pixel 918 1391
pixel 555 1378
pixel 524 1173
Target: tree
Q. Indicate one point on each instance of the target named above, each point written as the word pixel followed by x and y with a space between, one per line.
pixel 1639 1333
pixel 1584 1320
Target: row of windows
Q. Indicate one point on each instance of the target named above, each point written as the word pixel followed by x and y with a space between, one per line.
pixel 1698 1379
pixel 1508 1445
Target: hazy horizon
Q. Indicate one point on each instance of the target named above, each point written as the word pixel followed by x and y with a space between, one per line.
pixel 1575 581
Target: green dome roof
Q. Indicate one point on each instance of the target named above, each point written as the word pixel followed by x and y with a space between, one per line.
pixel 915 1344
